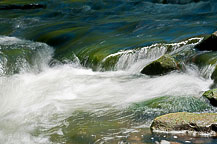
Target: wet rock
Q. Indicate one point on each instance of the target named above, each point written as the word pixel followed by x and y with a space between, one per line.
pixel 211 95
pixel 190 123
pixel 209 43
pixel 22 7
pixel 163 65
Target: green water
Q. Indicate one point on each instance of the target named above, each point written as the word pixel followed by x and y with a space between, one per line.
pixel 70 71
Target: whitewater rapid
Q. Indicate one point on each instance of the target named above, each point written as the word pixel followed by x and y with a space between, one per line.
pixel 33 100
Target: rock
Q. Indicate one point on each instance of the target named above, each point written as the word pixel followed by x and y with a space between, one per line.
pixel 163 65
pixel 152 108
pixel 191 123
pixel 209 43
pixel 22 7
pixel 211 95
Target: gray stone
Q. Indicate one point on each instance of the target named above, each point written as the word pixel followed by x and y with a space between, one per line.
pixel 204 123
pixel 211 95
pixel 163 65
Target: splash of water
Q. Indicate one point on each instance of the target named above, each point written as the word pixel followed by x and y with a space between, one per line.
pixel 135 60
pixel 35 102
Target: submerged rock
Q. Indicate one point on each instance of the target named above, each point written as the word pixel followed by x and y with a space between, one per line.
pixel 211 95
pixel 204 123
pixel 163 65
pixel 152 108
pixel 209 43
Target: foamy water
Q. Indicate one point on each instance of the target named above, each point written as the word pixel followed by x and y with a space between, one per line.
pixel 34 101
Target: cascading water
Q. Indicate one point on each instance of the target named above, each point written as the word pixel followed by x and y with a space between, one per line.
pixel 135 60
pixel 70 70
pixel 20 55
pixel 67 102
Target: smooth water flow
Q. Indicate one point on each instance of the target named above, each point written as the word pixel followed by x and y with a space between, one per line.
pixel 70 70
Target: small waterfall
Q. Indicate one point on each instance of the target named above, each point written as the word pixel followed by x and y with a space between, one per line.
pixel 18 55
pixel 135 60
pixel 146 53
pixel 71 72
pixel 208 70
pixel 206 63
pixel 40 100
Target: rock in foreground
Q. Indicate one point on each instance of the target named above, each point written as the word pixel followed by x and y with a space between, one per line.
pixel 209 43
pixel 211 95
pixel 205 123
pixel 163 65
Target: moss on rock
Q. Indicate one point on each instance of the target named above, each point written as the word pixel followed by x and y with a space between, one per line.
pixel 149 109
pixel 163 65
pixel 211 95
pixel 184 121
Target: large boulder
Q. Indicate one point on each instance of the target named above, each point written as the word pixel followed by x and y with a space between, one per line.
pixel 211 95
pixel 191 123
pixel 209 43
pixel 163 65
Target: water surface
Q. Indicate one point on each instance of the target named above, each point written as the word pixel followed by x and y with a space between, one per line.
pixel 70 72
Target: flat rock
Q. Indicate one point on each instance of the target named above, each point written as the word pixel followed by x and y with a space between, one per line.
pixel 211 95
pixel 204 123
pixel 209 43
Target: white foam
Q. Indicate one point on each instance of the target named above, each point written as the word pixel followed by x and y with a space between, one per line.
pixel 33 101
pixel 135 60
pixel 5 40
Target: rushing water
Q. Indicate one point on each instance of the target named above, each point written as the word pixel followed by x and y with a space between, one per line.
pixel 70 103
pixel 70 72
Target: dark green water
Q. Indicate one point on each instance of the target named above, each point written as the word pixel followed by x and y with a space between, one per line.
pixel 95 29
pixel 70 71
